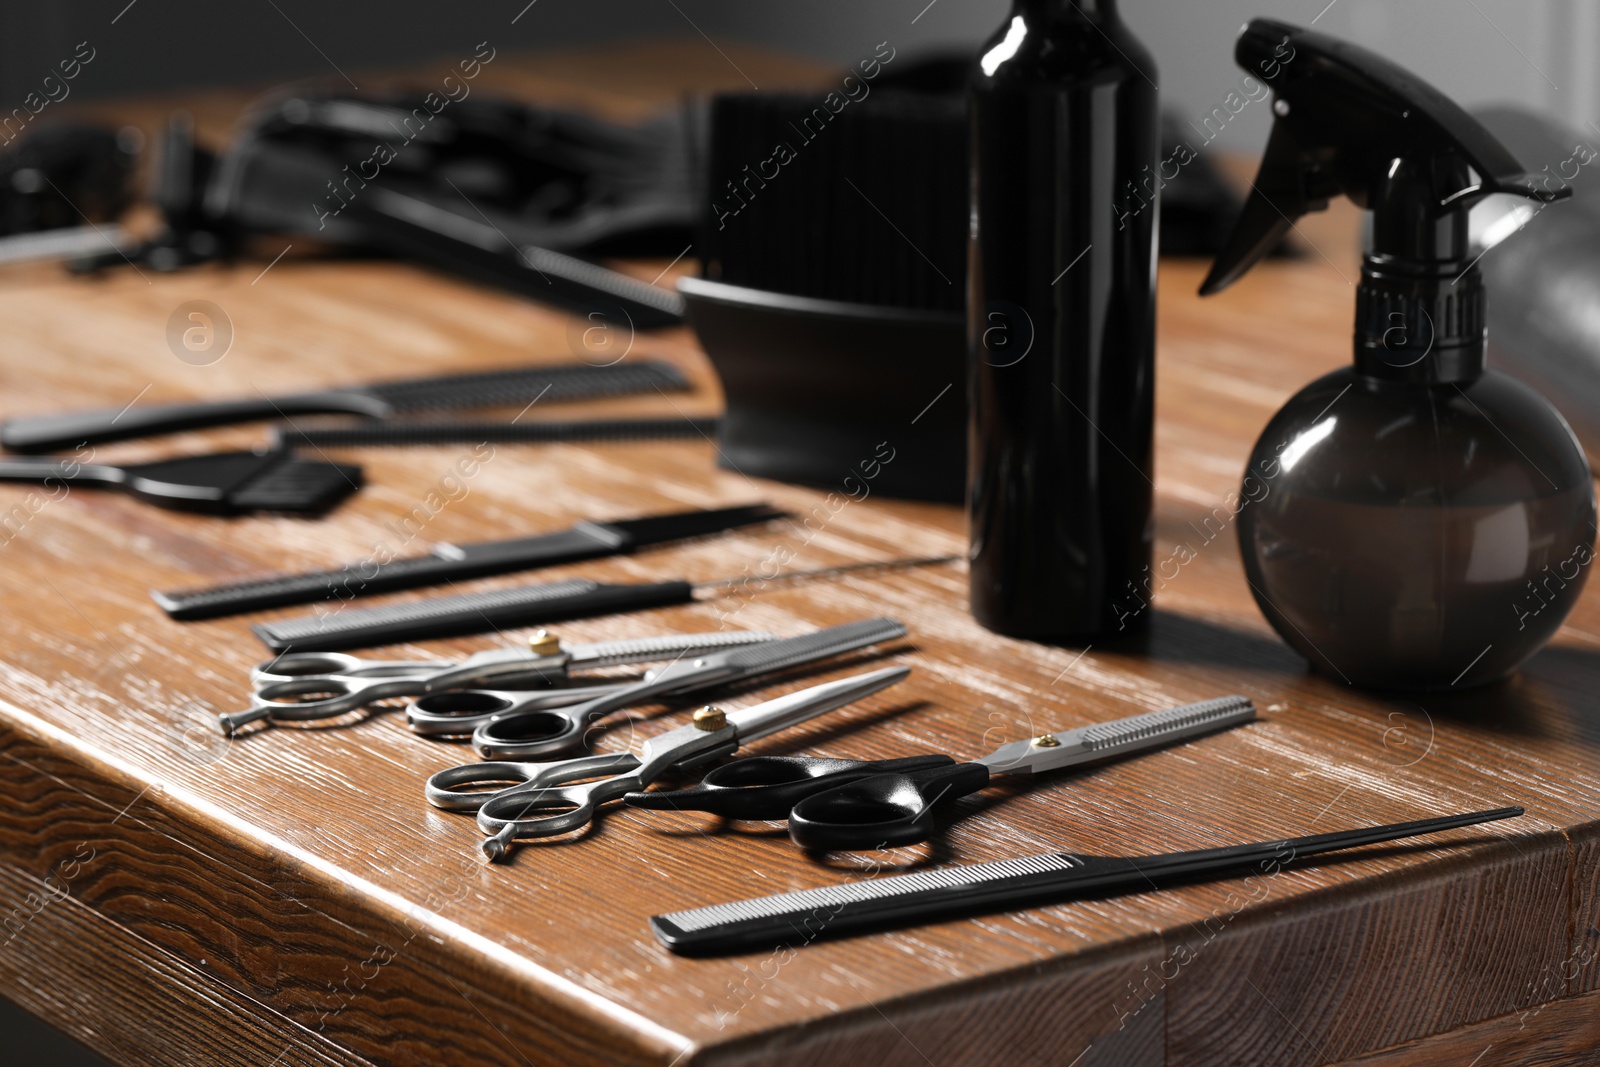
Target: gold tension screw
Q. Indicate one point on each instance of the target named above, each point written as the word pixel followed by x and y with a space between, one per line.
pixel 710 718
pixel 544 643
pixel 1046 741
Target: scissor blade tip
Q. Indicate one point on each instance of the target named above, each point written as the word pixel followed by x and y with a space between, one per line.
pixel 878 679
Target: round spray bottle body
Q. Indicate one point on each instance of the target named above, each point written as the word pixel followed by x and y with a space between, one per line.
pixel 1061 320
pixel 1422 538
pixel 1417 521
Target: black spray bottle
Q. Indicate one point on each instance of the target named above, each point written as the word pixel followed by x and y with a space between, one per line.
pixel 1061 316
pixel 1416 521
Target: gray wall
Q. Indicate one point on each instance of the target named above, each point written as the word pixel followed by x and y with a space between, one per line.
pixel 1541 53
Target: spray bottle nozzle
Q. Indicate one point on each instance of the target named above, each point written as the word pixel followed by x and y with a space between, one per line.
pixel 1354 124
pixel 1350 122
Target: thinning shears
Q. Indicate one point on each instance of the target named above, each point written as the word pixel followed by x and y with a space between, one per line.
pixel 522 726
pixel 856 804
pixel 549 799
pixel 306 686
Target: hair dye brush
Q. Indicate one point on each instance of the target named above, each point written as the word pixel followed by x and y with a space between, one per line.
pixel 835 251
pixel 222 483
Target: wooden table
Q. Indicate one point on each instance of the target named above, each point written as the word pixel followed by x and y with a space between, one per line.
pixel 288 898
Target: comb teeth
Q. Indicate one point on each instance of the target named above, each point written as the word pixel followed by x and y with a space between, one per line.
pixel 298 485
pixel 644 649
pixel 820 645
pixel 896 162
pixel 545 261
pixel 804 903
pixel 317 585
pixel 289 630
pixel 493 388
pixel 393 434
pixel 1108 735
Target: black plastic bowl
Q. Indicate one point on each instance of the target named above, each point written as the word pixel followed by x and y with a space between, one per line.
pixel 821 391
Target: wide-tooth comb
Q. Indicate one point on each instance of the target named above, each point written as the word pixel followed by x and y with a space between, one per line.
pixel 520 386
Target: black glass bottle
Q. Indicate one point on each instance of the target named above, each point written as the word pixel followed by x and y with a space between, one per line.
pixel 1061 313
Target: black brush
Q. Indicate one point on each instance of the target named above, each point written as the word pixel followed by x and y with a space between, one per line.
pixel 380 400
pixel 222 483
pixel 834 249
pixel 865 206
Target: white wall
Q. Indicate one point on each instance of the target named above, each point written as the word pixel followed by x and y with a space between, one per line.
pixel 1541 53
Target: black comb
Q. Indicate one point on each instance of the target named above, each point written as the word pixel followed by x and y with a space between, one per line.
pixel 497 609
pixel 453 563
pixel 470 613
pixel 797 918
pixel 222 483
pixel 399 434
pixel 380 400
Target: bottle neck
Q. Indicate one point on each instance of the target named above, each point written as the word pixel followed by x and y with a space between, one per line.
pixel 1420 322
pixel 1420 307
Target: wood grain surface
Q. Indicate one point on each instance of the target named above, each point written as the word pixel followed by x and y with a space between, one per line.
pixel 289 898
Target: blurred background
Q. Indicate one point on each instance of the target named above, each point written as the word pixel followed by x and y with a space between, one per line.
pixel 1540 54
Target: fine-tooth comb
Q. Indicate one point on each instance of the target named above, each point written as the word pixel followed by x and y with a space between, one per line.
pixel 497 609
pixel 798 918
pixel 459 562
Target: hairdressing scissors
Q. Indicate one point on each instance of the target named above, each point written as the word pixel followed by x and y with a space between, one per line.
pixel 557 798
pixel 521 726
pixel 333 683
pixel 856 804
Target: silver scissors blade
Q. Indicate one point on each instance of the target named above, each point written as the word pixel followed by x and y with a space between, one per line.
pixel 834 641
pixel 523 734
pixel 649 649
pixel 1123 737
pixel 757 722
pixel 345 683
pixel 508 815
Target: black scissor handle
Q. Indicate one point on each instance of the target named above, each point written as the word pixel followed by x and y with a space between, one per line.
pixel 881 811
pixel 767 787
